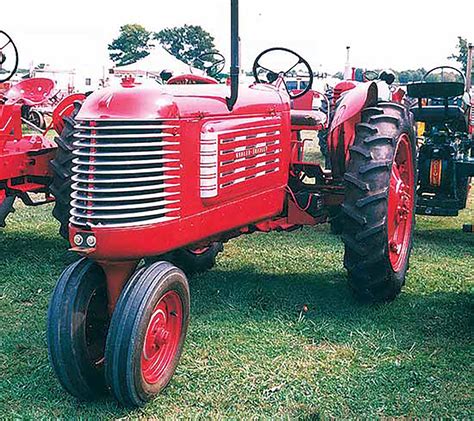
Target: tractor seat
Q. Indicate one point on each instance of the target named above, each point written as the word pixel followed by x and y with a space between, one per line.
pixel 308 118
pixel 433 114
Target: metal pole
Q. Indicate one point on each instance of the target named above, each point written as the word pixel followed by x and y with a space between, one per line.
pixel 470 47
pixel 235 54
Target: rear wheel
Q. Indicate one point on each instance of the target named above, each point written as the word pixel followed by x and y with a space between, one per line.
pixel 147 333
pixel 77 329
pixel 194 261
pixel 37 118
pixel 379 202
pixel 336 220
pixel 61 166
pixel 463 187
pixel 6 207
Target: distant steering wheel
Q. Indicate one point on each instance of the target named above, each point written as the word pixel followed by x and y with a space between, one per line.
pixel 463 78
pixel 445 67
pixel 213 63
pixel 7 43
pixel 272 75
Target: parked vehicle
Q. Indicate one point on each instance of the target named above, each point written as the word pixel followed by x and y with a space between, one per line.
pixel 180 169
pixel 444 111
pixel 29 162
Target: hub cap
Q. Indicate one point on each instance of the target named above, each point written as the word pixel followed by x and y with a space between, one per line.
pixel 162 337
pixel 401 200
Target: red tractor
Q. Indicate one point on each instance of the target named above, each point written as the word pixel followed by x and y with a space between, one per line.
pixel 30 163
pixel 164 176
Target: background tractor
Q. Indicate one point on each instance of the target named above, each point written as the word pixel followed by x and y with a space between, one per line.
pixel 177 170
pixel 29 162
pixel 444 113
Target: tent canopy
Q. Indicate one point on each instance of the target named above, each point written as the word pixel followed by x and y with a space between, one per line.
pixel 158 60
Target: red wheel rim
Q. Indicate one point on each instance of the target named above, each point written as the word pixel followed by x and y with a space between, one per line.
pixel 401 203
pixel 162 337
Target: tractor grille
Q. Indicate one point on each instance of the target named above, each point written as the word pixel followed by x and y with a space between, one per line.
pixel 126 173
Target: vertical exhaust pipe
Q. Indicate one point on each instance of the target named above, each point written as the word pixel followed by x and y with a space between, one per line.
pixel 470 47
pixel 234 55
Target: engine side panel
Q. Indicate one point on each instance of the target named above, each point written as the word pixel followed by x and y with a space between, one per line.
pixel 148 186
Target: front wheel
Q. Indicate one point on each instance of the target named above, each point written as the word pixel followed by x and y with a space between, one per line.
pixel 77 328
pixel 380 202
pixel 147 333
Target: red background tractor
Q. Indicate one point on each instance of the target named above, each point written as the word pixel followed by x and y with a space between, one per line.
pixel 29 162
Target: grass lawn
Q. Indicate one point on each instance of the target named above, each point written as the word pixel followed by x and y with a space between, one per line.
pixel 250 350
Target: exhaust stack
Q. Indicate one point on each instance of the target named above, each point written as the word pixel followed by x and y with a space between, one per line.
pixel 469 67
pixel 235 55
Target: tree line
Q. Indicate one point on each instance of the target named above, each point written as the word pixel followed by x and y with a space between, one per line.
pixel 187 43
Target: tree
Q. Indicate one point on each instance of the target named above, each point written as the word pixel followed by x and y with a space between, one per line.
pixel 410 75
pixel 461 55
pixel 131 45
pixel 187 43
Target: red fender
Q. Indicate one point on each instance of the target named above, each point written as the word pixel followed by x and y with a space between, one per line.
pixel 347 115
pixel 64 109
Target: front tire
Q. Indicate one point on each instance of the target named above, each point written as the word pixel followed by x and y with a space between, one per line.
pixel 77 328
pixel 380 202
pixel 147 333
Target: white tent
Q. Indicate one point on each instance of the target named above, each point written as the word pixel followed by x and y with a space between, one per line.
pixel 158 60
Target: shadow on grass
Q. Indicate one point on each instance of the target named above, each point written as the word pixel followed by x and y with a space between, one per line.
pixel 248 294
pixel 33 248
pixel 440 238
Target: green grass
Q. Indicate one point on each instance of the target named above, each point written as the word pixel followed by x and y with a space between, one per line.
pixel 251 351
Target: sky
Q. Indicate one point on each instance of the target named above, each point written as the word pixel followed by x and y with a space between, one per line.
pixel 399 34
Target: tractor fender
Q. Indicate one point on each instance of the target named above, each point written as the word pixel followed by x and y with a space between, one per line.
pixel 65 109
pixel 346 116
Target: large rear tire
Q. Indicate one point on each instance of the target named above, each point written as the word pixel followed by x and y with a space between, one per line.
pixel 379 203
pixel 61 166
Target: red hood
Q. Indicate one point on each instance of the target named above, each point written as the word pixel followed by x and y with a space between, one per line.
pixel 180 101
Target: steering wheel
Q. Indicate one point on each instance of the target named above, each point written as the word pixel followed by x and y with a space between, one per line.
pixel 273 75
pixel 7 43
pixel 213 63
pixel 445 67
